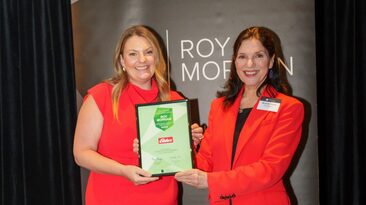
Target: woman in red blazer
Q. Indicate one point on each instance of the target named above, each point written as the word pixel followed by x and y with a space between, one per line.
pixel 253 127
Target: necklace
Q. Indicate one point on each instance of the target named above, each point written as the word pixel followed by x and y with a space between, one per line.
pixel 247 102
pixel 241 110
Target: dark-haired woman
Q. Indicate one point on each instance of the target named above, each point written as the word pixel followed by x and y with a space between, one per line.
pixel 254 127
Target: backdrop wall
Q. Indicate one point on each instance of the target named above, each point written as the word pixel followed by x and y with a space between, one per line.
pixel 199 36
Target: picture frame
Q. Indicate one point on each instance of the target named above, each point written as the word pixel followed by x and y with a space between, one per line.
pixel 165 137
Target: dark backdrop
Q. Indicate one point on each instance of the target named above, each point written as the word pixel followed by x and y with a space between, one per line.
pixel 199 36
pixel 341 91
pixel 37 104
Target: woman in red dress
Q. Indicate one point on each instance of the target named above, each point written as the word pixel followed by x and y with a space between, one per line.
pixel 106 126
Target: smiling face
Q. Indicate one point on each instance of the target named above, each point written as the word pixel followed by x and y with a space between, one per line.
pixel 139 60
pixel 252 63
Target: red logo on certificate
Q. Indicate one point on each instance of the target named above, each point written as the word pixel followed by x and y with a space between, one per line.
pixel 165 140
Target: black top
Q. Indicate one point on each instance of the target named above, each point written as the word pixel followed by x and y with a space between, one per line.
pixel 240 120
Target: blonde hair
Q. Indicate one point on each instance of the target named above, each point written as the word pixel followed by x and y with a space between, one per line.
pixel 119 80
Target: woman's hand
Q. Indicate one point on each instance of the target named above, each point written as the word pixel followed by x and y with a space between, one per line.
pixel 193 177
pixel 197 134
pixel 137 175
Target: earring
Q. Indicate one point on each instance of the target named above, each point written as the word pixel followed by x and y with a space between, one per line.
pixel 124 69
pixel 270 73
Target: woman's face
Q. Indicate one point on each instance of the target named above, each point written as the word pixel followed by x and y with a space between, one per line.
pixel 252 63
pixel 139 61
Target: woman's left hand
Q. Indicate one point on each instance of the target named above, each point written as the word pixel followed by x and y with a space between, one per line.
pixel 193 177
pixel 197 134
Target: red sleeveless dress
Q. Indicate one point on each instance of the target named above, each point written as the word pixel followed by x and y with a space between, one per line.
pixel 116 143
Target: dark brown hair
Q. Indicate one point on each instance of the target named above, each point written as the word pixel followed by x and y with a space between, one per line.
pixel 277 80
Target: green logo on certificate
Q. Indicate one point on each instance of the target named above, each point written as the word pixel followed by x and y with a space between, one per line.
pixel 163 118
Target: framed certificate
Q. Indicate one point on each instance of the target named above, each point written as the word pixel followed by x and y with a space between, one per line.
pixel 165 137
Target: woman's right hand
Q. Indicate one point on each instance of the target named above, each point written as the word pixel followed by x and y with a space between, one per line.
pixel 137 175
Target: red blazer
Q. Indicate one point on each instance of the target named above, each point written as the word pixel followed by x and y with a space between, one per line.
pixel 264 151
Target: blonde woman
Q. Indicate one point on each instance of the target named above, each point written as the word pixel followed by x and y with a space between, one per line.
pixel 106 126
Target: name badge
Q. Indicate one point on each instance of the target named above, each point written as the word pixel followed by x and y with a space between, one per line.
pixel 269 104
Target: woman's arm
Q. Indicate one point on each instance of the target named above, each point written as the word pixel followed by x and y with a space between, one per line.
pixel 258 175
pixel 271 166
pixel 87 134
